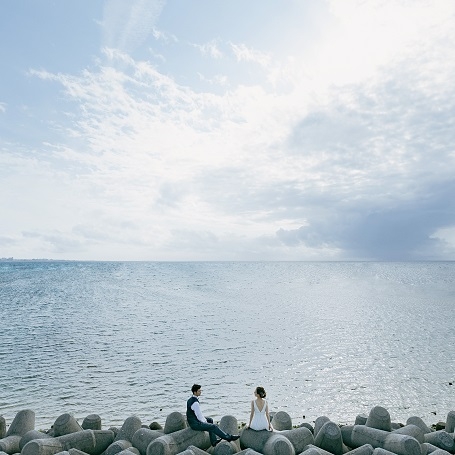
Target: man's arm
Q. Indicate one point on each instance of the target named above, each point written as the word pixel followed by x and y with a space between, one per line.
pixel 197 410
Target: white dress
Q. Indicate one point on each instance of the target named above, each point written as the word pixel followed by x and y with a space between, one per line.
pixel 259 421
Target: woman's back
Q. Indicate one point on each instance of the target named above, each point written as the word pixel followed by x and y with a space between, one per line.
pixel 259 421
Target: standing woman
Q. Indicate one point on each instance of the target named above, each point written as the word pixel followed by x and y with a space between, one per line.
pixel 259 416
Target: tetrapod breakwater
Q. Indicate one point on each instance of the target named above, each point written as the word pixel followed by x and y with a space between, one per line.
pixel 372 434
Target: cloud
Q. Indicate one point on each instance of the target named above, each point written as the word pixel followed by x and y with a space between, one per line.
pixel 126 25
pixel 247 54
pixel 287 165
pixel 211 49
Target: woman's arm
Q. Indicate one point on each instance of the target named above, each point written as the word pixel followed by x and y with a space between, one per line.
pixel 268 417
pixel 251 413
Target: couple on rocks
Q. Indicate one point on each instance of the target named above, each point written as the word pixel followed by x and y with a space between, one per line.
pixel 197 421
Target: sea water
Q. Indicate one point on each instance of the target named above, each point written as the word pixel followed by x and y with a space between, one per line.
pixel 130 338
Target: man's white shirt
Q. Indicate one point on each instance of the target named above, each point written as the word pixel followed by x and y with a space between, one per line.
pixel 197 410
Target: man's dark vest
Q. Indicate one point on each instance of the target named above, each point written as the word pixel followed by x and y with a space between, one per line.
pixel 190 415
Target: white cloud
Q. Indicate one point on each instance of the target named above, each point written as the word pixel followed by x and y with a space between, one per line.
pixel 126 25
pixel 211 49
pixel 244 53
pixel 348 154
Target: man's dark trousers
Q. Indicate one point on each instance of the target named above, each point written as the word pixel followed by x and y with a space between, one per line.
pixel 214 430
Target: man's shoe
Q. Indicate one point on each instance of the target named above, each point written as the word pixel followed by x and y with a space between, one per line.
pixel 233 437
pixel 214 443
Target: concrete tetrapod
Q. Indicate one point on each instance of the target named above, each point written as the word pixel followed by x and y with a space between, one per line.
pixel 175 421
pixel 379 418
pixel 361 419
pixel 171 444
pixel 329 438
pixel 412 430
pixel 117 447
pixel 266 442
pixel 229 425
pixel 30 436
pixel 441 439
pixel 92 422
pixel 143 437
pixel 401 444
pixel 282 421
pixel 93 442
pixel 66 424
pixel 450 422
pixel 318 424
pixel 129 427
pixel 299 438
pixel 346 435
pixel 380 451
pixel 269 443
pixel 23 422
pixel 418 422
pixel 315 450
pixel 2 427
pixel 130 451
pixel 440 452
pixel 366 449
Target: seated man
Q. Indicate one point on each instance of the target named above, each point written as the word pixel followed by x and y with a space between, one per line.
pixel 198 422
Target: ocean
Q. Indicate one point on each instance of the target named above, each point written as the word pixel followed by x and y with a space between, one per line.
pixel 130 338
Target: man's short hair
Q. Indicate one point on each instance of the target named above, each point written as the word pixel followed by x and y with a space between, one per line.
pixel 195 388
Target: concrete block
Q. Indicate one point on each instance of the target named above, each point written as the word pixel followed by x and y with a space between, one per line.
pixel 299 438
pixel 412 430
pixel 23 421
pixel 197 450
pixel 311 449
pixel 171 444
pixel 361 419
pixel 2 427
pixel 307 425
pixel 66 424
pixel 175 421
pixel 318 424
pixel 129 451
pixel 366 449
pixel 379 418
pixel 282 421
pixel 450 422
pixel 379 451
pixel 10 444
pixel 117 447
pixel 401 444
pixel 268 442
pixel 49 446
pixel 278 444
pixel 143 437
pixel 417 421
pixel 129 427
pixel 329 438
pixel 226 448
pixel 30 435
pixel 76 452
pixel 441 439
pixel 346 434
pixel 428 448
pixel 92 422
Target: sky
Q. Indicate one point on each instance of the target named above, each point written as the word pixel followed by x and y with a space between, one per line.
pixel 254 130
